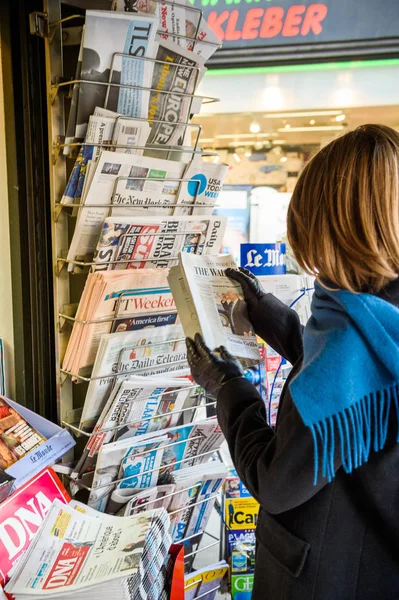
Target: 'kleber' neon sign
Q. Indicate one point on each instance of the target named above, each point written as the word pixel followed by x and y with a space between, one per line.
pixel 298 21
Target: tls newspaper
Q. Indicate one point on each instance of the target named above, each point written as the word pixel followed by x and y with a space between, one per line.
pixel 210 303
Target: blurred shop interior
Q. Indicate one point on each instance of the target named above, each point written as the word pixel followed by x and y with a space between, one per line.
pixel 267 134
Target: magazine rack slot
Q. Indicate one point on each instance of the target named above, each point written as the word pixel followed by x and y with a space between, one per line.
pixel 129 424
pixel 56 86
pixel 80 483
pixel 198 404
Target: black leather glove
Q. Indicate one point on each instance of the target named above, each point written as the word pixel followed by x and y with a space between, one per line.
pixel 253 291
pixel 208 369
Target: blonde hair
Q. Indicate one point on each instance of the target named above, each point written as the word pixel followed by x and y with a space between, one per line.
pixel 343 218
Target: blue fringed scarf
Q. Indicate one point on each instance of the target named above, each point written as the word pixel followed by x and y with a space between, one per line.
pixel 349 379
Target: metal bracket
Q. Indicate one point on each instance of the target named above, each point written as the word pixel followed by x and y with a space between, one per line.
pixel 38 24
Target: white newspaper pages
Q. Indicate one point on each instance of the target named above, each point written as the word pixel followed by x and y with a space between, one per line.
pixel 142 352
pixel 180 19
pixel 76 554
pixel 117 301
pixel 155 242
pixel 211 303
pixel 136 406
pixel 108 35
pixel 205 182
pixel 166 451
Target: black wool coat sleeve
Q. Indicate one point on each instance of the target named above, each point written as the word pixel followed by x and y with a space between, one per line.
pixel 330 541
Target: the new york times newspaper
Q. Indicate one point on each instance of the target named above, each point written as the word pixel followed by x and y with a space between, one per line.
pixel 179 74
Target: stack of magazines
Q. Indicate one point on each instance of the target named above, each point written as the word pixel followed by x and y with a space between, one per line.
pixel 78 554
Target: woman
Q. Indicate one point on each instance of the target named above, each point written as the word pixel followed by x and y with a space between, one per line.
pixel 327 478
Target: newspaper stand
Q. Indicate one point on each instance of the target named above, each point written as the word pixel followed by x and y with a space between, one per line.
pixel 69 282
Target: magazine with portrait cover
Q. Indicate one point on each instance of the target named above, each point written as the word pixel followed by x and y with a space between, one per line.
pixel 76 552
pixel 180 19
pixel 136 406
pixel 155 242
pixel 143 352
pixel 210 303
pixel 186 445
pixel 107 35
pixel 117 301
pixel 145 183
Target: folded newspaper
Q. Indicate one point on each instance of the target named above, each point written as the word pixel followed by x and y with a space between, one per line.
pixel 117 301
pixel 136 406
pixel 155 242
pixel 130 38
pixel 183 446
pixel 76 554
pixel 205 582
pixel 189 27
pixel 210 303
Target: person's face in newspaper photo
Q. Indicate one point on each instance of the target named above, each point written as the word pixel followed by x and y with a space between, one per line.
pixel 190 29
pixel 147 6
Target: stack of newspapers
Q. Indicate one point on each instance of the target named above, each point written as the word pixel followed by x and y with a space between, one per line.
pixel 80 554
pixel 139 185
pixel 142 195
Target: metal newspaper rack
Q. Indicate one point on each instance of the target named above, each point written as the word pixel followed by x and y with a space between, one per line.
pixel 67 289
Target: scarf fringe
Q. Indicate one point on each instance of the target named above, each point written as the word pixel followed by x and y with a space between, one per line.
pixel 356 431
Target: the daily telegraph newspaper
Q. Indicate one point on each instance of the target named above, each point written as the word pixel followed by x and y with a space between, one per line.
pixel 185 446
pixel 106 34
pixel 178 72
pixel 114 131
pixel 210 303
pixel 143 352
pixel 155 242
pixel 117 301
pixel 77 553
pixel 136 406
pixel 127 181
pixel 17 437
pixel 201 188
pixel 180 19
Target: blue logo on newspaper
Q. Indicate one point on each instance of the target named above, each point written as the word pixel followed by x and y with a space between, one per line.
pixel 197 185
pixel 263 259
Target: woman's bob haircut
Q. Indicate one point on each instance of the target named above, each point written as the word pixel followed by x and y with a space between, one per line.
pixel 343 218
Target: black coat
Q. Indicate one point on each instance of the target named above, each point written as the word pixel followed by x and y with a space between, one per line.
pixel 337 541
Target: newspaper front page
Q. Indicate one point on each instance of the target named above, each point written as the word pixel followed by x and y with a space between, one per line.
pixel 147 351
pixel 184 447
pixel 74 551
pixel 211 303
pixel 201 191
pixel 156 242
pixel 106 34
pixel 180 19
pixel 146 182
pixel 178 72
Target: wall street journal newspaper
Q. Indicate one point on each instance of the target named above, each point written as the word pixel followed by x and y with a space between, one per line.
pixel 77 551
pixel 212 304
